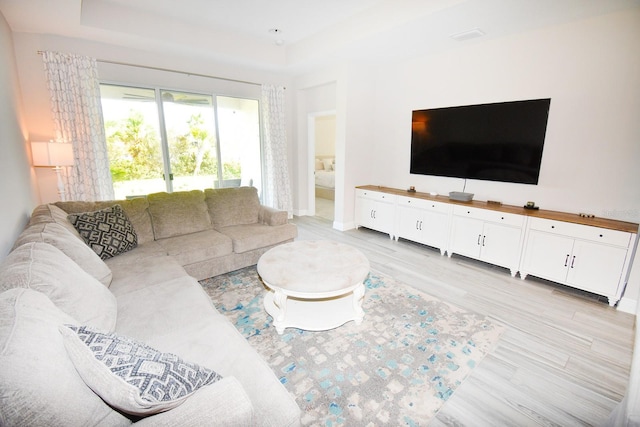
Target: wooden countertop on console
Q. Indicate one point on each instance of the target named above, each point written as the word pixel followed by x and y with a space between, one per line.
pixel 611 224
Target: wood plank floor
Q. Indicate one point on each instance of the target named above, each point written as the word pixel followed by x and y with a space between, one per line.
pixel 564 359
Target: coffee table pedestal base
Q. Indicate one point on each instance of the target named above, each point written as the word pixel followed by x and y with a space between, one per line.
pixel 314 314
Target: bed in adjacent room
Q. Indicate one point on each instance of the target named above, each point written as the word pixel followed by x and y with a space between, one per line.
pixel 325 176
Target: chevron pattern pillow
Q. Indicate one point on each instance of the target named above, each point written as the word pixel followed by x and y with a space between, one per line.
pixel 130 375
pixel 107 231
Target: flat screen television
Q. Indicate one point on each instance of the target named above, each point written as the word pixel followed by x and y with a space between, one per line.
pixel 495 142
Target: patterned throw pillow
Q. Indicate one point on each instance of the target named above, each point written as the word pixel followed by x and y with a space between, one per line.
pixel 107 231
pixel 130 375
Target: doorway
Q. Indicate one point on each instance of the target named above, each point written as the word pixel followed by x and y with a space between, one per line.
pixel 322 146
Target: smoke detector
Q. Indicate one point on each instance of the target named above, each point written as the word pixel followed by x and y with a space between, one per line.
pixel 277 32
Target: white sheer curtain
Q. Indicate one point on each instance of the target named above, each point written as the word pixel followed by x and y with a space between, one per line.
pixel 277 188
pixel 74 89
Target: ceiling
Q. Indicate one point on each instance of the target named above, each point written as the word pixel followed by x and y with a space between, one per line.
pixel 293 35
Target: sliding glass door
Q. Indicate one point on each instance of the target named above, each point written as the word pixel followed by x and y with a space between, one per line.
pixel 169 140
pixel 189 122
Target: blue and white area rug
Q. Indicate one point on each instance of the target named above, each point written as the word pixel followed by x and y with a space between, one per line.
pixel 396 368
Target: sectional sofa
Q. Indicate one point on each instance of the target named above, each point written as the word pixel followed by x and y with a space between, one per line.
pixel 103 322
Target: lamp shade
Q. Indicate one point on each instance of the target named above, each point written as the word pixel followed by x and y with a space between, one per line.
pixel 52 153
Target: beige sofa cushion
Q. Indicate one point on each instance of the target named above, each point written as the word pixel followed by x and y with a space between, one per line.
pixel 272 216
pixel 191 327
pixel 253 236
pixel 226 402
pixel 39 386
pixel 233 206
pixel 195 247
pixel 137 210
pixel 73 247
pixel 52 213
pixel 178 213
pixel 130 277
pixel 44 268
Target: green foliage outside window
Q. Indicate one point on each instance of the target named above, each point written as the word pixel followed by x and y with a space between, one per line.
pixel 134 150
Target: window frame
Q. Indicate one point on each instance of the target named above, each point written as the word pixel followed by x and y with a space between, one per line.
pixel 164 141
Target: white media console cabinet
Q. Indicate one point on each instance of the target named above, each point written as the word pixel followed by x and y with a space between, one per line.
pixel 592 254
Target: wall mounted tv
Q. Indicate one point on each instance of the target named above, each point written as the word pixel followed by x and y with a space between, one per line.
pixel 495 142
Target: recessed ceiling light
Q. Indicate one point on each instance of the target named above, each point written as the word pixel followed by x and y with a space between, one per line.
pixel 466 35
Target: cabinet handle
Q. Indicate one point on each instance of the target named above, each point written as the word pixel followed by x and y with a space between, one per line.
pixel 417 224
pixel 483 237
pixel 374 214
pixel 479 236
pixel 573 260
pixel 420 225
pixel 566 260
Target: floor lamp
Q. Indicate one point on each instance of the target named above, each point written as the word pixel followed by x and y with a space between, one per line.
pixel 56 155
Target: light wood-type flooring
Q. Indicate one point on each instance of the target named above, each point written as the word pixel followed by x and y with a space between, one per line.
pixel 563 360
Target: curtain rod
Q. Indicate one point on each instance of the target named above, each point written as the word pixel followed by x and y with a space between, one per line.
pixel 105 61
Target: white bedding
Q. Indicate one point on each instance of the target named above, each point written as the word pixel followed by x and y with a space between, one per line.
pixel 326 179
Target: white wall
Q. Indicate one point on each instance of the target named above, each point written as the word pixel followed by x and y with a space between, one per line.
pixel 352 88
pixel 314 96
pixel 16 191
pixel 588 68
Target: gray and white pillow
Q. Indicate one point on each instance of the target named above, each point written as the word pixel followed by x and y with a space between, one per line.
pixel 130 375
pixel 107 231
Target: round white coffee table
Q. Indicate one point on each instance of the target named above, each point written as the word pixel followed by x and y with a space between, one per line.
pixel 313 285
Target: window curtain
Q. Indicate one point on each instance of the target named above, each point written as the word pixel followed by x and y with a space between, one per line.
pixel 74 90
pixel 277 188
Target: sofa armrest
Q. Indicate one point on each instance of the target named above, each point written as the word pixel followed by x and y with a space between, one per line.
pixel 271 216
pixel 224 403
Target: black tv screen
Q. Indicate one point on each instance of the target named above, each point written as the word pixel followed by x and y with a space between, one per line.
pixel 495 142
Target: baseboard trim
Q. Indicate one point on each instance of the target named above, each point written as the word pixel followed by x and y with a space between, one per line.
pixel 343 226
pixel 628 305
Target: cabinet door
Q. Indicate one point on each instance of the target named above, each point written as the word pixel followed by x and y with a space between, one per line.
pixel 435 230
pixel 596 268
pixel 410 223
pixel 547 256
pixel 466 236
pixel 383 217
pixel 364 212
pixel 500 245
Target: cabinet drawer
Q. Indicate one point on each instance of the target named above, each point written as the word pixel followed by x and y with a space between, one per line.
pixel 427 205
pixel 489 215
pixel 579 231
pixel 375 195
